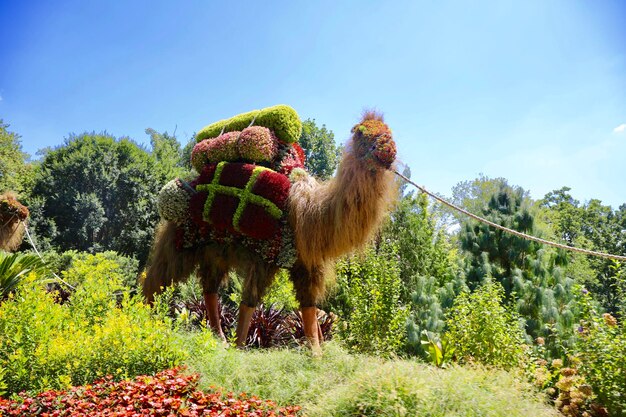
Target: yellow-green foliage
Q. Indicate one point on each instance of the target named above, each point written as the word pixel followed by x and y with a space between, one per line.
pixel 281 292
pixel 102 330
pixel 375 320
pixel 602 351
pixel 342 384
pixel 481 329
pixel 281 119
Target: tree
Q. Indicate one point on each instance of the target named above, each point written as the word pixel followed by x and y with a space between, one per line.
pixel 98 193
pixel 428 268
pixel 15 173
pixel 593 226
pixel 530 273
pixel 168 154
pixel 322 155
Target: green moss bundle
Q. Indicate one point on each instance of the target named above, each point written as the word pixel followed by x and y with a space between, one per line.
pixel 282 120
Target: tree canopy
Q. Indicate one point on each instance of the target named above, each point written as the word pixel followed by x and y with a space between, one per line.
pixel 15 172
pixel 97 192
pixel 322 154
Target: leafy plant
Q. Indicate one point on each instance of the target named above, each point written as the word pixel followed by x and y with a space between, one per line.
pixel 482 329
pixel 269 327
pixel 165 394
pixel 374 319
pixel 602 349
pixel 440 350
pixel 14 267
pixel 99 331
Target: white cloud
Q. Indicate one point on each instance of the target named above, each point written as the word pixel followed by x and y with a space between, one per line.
pixel 621 128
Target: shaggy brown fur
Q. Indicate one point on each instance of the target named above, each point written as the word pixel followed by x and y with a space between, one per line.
pixel 11 228
pixel 328 219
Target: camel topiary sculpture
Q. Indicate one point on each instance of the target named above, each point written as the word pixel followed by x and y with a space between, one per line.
pixel 254 209
pixel 12 217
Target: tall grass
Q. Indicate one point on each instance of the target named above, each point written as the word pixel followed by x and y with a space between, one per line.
pixel 342 384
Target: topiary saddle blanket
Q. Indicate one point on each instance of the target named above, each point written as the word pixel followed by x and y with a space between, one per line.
pixel 240 196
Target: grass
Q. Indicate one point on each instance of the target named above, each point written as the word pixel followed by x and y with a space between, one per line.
pixel 342 384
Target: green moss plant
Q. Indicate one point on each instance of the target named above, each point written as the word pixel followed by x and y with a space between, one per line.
pixel 281 119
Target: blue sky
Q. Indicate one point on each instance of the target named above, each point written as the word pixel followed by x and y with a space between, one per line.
pixel 533 91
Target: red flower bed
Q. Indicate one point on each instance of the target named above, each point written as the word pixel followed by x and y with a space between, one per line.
pixel 166 394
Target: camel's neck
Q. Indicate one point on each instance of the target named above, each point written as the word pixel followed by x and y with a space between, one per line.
pixel 339 216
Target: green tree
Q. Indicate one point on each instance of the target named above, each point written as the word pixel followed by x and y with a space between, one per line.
pixel 530 273
pixel 168 154
pixel 15 173
pixel 98 193
pixel 322 155
pixel 428 265
pixel 593 226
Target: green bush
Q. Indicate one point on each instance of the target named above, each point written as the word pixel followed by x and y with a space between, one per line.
pixel 280 294
pixel 483 330
pixel 60 263
pixel 14 267
pixel 99 331
pixel 602 350
pixel 374 320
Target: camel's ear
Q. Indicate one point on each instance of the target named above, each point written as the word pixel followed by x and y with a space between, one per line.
pixel 371 114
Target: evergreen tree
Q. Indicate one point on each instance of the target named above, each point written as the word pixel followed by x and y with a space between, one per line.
pixel 530 273
pixel 428 268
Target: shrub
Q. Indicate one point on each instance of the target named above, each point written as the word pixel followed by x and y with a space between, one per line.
pixel 602 349
pixel 100 331
pixel 482 329
pixel 14 267
pixel 374 319
pixel 60 263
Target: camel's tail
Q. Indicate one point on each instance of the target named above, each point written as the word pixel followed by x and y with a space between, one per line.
pixel 167 265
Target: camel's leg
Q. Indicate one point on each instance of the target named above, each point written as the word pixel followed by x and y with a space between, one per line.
pixel 243 323
pixel 320 335
pixel 211 304
pixel 312 330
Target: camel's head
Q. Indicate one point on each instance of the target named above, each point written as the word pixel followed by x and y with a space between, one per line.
pixel 372 141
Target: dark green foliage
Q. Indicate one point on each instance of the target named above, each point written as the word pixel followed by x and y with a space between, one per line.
pixel 322 155
pixel 281 119
pixel 98 193
pixel 481 329
pixel 430 277
pixel 593 226
pixel 531 274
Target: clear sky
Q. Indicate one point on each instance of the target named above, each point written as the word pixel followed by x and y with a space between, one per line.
pixel 533 91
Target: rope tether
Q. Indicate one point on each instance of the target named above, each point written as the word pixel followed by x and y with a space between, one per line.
pixel 514 232
pixel 30 239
